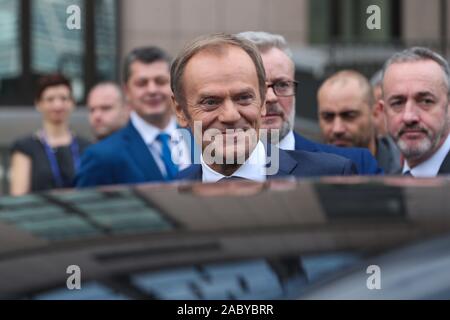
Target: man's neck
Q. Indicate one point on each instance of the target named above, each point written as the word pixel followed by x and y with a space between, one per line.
pixel 373 146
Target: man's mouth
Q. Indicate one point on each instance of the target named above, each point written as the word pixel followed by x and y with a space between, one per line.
pixel 412 133
pixel 341 142
pixel 153 101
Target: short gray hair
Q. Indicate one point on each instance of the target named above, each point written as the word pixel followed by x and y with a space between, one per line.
pixel 420 54
pixel 214 42
pixel 265 41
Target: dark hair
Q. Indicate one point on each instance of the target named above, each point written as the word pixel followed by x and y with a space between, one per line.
pixel 51 80
pixel 145 55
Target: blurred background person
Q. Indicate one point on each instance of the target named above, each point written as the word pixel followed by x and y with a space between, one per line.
pixel 280 102
pixel 379 118
pixel 142 150
pixel 107 109
pixel 345 110
pixel 49 158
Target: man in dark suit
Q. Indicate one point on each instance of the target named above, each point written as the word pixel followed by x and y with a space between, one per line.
pixel 415 101
pixel 142 151
pixel 280 103
pixel 219 88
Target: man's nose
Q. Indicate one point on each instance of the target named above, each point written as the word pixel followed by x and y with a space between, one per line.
pixel 151 86
pixel 229 112
pixel 338 126
pixel 410 113
pixel 271 97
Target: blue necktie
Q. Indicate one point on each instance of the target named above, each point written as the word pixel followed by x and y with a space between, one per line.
pixel 166 155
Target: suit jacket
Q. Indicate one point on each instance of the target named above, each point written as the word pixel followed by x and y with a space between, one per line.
pixel 362 158
pixel 444 169
pixel 294 163
pixel 121 158
pixel 445 166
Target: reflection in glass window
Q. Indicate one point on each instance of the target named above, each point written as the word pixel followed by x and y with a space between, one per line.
pixel 106 39
pixel 89 291
pixel 54 46
pixel 9 40
pixel 239 280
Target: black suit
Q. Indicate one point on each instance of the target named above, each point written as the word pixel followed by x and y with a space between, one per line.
pixel 294 163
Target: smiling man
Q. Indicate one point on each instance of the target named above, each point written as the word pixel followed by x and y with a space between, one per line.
pixel 219 87
pixel 142 150
pixel 415 102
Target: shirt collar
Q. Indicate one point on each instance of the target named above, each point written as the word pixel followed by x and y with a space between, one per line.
pixel 254 168
pixel 430 167
pixel 288 142
pixel 149 132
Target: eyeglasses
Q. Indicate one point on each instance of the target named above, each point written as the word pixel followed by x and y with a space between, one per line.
pixel 284 88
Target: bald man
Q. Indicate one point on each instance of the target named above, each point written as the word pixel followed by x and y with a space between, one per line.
pixel 346 113
pixel 107 110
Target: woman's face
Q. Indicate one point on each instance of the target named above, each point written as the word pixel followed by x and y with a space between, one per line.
pixel 56 104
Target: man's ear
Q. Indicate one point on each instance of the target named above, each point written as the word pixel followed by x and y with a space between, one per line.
pixel 379 107
pixel 182 118
pixel 125 92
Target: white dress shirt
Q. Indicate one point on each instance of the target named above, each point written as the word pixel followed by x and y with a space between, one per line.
pixel 431 166
pixel 180 152
pixel 254 168
pixel 288 142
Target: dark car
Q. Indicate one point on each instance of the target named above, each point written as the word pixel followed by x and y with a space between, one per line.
pixel 281 239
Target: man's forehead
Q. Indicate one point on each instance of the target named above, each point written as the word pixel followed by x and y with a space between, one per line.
pixel 277 62
pixel 206 67
pixel 412 77
pixel 139 67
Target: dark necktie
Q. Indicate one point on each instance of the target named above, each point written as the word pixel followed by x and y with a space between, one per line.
pixel 166 155
pixel 233 178
pixel 408 174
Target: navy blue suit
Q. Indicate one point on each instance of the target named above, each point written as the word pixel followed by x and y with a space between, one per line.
pixel 122 158
pixel 294 163
pixel 362 158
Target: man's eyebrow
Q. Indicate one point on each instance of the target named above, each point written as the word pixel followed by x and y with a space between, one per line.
pixel 395 97
pixel 422 94
pixel 280 78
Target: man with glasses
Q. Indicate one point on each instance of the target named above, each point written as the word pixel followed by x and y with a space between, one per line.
pixel 280 103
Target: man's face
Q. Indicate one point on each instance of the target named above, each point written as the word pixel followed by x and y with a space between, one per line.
pixel 344 115
pixel 222 94
pixel 106 111
pixel 416 105
pixel 280 111
pixel 148 89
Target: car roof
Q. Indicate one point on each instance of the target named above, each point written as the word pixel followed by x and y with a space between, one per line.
pixel 123 229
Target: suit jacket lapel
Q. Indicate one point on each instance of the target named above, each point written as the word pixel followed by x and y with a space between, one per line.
pixel 445 166
pixel 141 154
pixel 285 162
